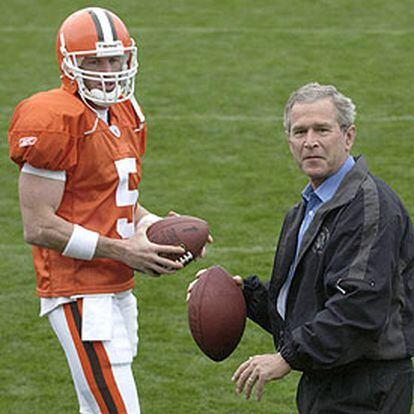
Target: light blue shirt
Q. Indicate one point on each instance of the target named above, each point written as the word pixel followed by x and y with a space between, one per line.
pixel 313 199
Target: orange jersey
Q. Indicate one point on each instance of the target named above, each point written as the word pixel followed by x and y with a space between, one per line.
pixel 55 130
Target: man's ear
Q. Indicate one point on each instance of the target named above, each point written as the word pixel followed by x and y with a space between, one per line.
pixel 350 135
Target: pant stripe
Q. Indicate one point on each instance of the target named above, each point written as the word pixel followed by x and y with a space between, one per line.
pixel 95 364
pixel 86 366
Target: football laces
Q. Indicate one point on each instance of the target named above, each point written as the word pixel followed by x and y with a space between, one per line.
pixel 186 258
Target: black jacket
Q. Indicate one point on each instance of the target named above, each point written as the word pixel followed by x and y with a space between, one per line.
pixel 352 294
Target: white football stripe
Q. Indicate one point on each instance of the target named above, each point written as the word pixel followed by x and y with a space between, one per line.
pixel 104 22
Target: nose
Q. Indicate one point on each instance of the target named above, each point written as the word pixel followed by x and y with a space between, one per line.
pixel 311 138
pixel 106 65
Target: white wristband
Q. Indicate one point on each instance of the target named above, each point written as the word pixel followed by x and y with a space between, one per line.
pixel 149 219
pixel 82 243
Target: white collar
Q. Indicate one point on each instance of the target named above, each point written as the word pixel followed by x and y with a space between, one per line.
pixel 102 114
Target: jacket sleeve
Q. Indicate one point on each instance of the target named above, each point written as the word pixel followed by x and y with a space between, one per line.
pixel 256 297
pixel 360 275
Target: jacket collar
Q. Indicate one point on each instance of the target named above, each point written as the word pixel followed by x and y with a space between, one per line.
pixel 349 185
pixel 346 192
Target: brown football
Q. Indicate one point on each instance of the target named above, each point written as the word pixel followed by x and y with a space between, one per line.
pixel 189 232
pixel 216 313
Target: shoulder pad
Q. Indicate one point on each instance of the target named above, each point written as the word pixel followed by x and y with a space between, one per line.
pixel 44 130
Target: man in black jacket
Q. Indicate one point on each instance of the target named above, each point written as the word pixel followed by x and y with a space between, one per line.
pixel 340 303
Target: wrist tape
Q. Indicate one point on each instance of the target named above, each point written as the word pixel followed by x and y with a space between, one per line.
pixel 82 243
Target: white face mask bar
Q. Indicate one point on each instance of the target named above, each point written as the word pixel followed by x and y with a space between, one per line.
pixel 114 86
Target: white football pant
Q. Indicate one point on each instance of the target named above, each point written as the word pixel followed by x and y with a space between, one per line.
pixel 99 334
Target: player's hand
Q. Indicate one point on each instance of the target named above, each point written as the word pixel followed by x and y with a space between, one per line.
pixel 258 370
pixel 172 213
pixel 204 250
pixel 147 257
pixel 237 279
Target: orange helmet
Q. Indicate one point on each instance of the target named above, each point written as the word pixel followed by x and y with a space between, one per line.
pixel 96 32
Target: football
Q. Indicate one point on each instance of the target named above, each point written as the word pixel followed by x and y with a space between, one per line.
pixel 190 232
pixel 216 313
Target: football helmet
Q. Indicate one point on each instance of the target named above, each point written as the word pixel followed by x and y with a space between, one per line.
pixel 97 33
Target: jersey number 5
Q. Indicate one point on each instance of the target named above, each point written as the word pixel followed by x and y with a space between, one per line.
pixel 124 196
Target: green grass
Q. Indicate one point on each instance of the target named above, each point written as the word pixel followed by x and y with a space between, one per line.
pixel 214 77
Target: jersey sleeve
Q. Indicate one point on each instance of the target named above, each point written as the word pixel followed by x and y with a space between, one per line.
pixel 39 136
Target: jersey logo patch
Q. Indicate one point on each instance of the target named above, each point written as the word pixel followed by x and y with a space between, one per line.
pixel 115 130
pixel 27 141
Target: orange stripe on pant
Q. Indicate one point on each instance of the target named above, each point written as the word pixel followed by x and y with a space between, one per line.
pixel 95 364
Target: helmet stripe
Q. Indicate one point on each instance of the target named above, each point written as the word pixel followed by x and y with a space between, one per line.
pixel 104 25
pixel 97 25
pixel 112 24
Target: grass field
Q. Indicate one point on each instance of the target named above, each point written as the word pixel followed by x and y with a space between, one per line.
pixel 214 77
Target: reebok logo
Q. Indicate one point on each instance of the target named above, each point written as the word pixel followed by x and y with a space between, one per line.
pixel 27 141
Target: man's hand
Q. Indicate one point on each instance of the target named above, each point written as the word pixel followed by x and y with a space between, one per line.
pixel 258 370
pixel 237 279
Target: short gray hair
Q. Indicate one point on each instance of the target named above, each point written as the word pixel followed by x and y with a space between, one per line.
pixel 312 92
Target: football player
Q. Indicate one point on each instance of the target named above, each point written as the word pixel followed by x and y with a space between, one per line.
pixel 79 150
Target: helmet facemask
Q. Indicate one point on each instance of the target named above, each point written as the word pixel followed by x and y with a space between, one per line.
pixel 108 87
